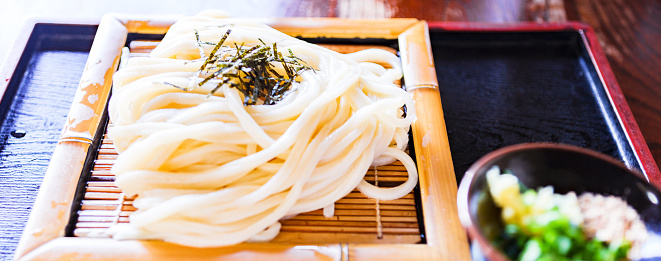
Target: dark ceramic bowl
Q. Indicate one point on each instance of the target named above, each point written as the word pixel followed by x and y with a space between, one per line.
pixel 566 168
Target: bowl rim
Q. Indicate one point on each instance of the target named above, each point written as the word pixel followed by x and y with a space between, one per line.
pixel 486 247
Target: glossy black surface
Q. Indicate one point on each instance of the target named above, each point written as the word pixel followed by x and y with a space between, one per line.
pixel 566 170
pixel 504 88
pixel 33 111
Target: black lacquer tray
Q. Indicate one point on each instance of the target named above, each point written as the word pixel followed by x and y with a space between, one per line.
pixel 502 85
pixel 499 85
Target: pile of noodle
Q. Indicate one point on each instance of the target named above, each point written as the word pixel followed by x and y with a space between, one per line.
pixel 211 171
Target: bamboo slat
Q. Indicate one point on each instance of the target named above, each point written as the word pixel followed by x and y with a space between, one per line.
pixel 294 26
pixel 438 184
pixel 356 218
pixel 69 248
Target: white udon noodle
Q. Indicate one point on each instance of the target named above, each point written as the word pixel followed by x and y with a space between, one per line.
pixel 209 171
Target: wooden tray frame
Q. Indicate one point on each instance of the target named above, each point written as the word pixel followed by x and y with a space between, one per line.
pixel 43 237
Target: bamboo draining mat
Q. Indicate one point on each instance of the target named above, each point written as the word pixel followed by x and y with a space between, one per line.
pixel 357 218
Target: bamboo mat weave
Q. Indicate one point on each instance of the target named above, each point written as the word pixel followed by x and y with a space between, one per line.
pixel 357 218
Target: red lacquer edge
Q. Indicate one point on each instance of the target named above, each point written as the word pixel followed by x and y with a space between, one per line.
pixel 621 107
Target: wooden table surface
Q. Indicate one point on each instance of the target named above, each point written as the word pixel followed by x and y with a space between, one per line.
pixel 628 31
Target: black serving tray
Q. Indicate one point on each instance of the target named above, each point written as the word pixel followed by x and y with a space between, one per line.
pixel 499 85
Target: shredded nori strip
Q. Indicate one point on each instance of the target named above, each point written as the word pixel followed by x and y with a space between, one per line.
pixel 251 70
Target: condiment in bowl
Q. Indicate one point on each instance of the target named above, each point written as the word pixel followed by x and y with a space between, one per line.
pixel 496 220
